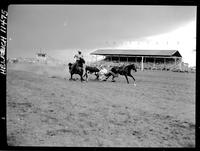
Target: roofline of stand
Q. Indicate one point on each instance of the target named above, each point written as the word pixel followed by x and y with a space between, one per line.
pixel 150 56
pixel 120 54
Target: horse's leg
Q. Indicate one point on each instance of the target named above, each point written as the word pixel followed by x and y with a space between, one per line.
pixel 85 71
pixel 126 78
pixel 113 75
pixel 97 76
pixel 86 75
pixel 133 79
pixel 82 78
pixel 81 75
pixel 131 76
pixel 113 78
pixel 71 76
pixel 107 76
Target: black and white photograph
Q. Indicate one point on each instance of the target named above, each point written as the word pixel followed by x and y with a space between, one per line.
pixel 101 75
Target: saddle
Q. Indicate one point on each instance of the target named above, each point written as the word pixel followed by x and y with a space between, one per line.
pixel 77 65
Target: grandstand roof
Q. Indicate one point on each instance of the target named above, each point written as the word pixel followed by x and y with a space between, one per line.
pixel 128 52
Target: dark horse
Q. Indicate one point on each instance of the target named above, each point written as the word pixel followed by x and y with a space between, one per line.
pixel 122 70
pixel 77 68
pixel 90 70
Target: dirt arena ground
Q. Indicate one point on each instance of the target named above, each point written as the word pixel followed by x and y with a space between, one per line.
pixel 44 109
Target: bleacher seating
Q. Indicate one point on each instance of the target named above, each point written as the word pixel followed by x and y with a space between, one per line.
pixel 168 66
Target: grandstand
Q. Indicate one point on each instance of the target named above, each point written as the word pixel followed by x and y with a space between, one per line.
pixel 144 59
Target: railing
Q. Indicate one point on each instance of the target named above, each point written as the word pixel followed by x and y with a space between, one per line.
pixel 169 66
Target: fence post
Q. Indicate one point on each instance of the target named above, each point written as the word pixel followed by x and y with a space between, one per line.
pixel 142 65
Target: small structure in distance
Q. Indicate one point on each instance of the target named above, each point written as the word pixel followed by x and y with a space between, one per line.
pixel 41 57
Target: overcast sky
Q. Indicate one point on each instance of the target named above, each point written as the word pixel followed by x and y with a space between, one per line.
pixel 60 30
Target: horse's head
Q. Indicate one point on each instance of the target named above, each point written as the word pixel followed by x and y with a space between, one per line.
pixel 132 66
pixel 70 65
pixel 82 60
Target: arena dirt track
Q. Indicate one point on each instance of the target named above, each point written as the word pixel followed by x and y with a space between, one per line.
pixel 44 109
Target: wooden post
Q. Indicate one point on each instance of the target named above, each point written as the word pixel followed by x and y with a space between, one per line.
pixel 136 60
pixel 175 60
pixel 164 61
pixel 181 64
pixel 142 65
